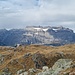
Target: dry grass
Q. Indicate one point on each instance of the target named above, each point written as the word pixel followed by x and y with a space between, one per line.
pixel 14 59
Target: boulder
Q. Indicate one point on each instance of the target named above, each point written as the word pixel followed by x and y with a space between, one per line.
pixel 45 68
pixel 62 64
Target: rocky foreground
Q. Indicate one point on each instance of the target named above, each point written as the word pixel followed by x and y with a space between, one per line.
pixel 37 60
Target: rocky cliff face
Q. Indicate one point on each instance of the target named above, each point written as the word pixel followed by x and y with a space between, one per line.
pixel 37 35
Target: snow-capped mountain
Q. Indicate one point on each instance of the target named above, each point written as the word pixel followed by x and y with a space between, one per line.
pixel 37 35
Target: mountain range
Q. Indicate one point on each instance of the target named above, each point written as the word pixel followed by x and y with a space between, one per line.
pixel 37 35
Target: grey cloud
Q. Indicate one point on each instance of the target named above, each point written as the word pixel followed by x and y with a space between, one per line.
pixel 19 13
pixel 3 0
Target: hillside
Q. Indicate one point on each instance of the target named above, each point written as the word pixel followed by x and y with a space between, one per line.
pixel 55 36
pixel 16 60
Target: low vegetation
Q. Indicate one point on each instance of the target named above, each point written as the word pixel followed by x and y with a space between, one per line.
pixel 33 59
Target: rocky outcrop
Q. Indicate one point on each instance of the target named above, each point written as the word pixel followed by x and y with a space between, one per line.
pixel 39 60
pixel 60 65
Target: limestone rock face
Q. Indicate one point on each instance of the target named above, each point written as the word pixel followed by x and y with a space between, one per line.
pixel 37 35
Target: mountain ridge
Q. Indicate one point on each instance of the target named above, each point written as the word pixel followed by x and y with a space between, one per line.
pixel 37 35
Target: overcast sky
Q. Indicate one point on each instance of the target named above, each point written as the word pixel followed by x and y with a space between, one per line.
pixel 20 13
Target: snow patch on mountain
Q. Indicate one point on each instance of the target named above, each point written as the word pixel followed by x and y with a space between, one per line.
pixel 55 29
pixel 45 29
pixel 41 29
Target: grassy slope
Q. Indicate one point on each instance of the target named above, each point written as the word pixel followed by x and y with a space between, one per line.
pixel 12 55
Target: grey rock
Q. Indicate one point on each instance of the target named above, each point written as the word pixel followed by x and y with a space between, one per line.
pixel 32 70
pixel 20 71
pixel 39 60
pixel 60 65
pixel 1 59
pixel 24 73
pixel 45 68
pixel 6 70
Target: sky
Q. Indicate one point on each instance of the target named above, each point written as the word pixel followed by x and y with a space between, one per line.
pixel 21 13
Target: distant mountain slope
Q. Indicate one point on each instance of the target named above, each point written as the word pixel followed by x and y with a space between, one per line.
pixel 37 35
